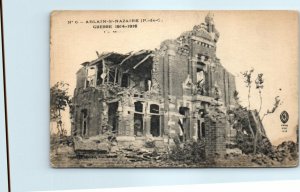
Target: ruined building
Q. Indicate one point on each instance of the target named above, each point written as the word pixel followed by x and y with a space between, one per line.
pixel 160 94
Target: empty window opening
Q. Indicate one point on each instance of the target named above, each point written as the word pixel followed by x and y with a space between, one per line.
pixel 154 120
pixel 138 106
pixel 138 119
pixel 183 111
pixel 200 75
pixel 198 129
pixel 203 130
pixel 154 108
pixel 125 81
pixel 113 75
pixel 147 80
pixel 148 84
pixel 201 113
pixel 200 81
pixel 84 117
pixel 91 76
pixel 155 125
pixel 185 121
pixel 138 124
pixel 91 71
pixel 116 77
pixel 181 129
pixel 100 75
pixel 202 57
pixel 113 116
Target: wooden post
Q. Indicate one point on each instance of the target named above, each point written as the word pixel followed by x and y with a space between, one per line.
pixel 116 72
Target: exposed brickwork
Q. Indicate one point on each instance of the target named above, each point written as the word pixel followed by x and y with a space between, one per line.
pixel 215 138
pixel 174 72
pixel 88 99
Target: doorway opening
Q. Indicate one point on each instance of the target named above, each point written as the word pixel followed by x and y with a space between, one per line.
pixel 113 116
pixel 201 124
pixel 185 121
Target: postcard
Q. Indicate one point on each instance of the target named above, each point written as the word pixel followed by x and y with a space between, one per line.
pixel 174 89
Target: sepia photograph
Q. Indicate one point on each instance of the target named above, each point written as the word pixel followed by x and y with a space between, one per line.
pixel 186 89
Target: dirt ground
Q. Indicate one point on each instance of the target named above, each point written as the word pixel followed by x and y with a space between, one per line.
pixel 63 156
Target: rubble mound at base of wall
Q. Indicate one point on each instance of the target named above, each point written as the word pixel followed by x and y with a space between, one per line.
pixel 104 146
pixel 63 155
pixel 285 154
pixel 93 145
pixel 286 151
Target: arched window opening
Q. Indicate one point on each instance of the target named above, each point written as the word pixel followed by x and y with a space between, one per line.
pixel 154 108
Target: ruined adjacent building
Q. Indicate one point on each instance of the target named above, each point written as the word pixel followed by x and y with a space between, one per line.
pixel 165 94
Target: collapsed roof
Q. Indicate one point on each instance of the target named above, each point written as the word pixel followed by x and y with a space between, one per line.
pixel 140 60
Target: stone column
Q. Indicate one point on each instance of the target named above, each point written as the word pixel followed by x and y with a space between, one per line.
pixel 194 125
pixel 195 130
pixel 147 124
pixel 104 115
pixel 127 127
pixel 130 124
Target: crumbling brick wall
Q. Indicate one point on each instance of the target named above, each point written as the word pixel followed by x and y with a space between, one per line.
pixel 215 137
pixel 88 99
pixel 218 75
pixel 183 72
pixel 80 78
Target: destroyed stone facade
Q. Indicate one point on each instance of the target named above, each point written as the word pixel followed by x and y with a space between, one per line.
pixel 176 93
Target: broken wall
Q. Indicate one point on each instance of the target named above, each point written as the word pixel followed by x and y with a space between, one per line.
pixel 225 82
pixel 172 71
pixel 199 48
pixel 215 137
pixel 88 99
pixel 80 78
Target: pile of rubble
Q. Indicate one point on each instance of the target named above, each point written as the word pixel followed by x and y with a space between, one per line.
pixel 92 147
pixel 138 154
pixel 263 160
pixel 277 156
pixel 246 160
pixel 285 152
pixel 96 147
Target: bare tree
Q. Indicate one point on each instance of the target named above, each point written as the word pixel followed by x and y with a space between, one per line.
pixel 248 81
pixel 276 104
pixel 259 81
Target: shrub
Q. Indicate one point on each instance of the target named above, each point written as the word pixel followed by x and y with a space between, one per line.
pixel 190 151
